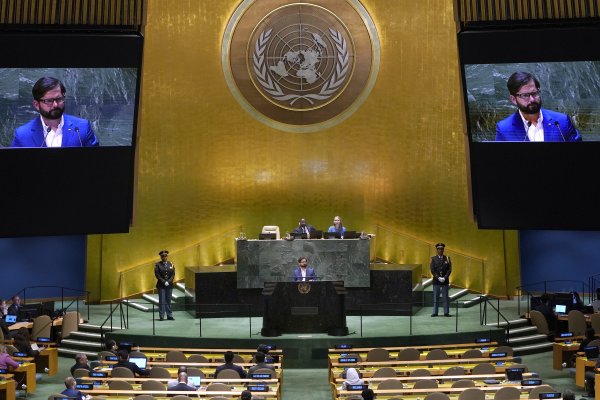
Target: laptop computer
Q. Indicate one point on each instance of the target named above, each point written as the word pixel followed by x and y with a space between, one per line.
pixel 267 236
pixel 139 361
pixel 332 235
pixel 194 381
pixel 298 235
pixel 10 319
pixel 561 309
pixel 316 235
pixel 350 235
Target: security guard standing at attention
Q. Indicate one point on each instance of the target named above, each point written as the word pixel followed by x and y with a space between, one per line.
pixel 164 271
pixel 441 268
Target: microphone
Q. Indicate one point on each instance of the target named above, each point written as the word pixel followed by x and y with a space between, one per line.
pixel 48 129
pixel 560 130
pixel 528 126
pixel 79 136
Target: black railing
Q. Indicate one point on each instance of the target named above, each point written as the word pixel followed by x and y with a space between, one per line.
pixel 531 289
pixel 483 314
pixel 67 294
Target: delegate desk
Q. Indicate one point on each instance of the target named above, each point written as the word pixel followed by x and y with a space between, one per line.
pixel 128 394
pixel 425 392
pixel 260 261
pixel 304 307
pixel 563 353
pixel 453 346
pixel 7 388
pixel 581 365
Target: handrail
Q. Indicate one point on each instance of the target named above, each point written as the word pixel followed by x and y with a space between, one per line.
pixel 593 287
pixel 469 271
pixel 124 320
pixel 483 316
pixel 545 283
pixel 143 274
pixel 86 294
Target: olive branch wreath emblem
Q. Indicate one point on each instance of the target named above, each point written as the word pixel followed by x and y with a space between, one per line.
pixel 274 89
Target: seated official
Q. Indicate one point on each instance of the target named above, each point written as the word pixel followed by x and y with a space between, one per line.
pixel 260 363
pixel 545 308
pixel 230 365
pixel 81 362
pixel 352 378
pixel 70 391
pixel 14 308
pixel 590 379
pixel 173 382
pixel 303 272
pixel 368 394
pixel 112 347
pixel 182 384
pixel 23 343
pixel 338 226
pixel 305 228
pixel 246 395
pixel 6 361
pixel 125 363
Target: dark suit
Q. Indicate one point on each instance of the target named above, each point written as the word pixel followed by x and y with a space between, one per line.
pixel 133 367
pixel 440 267
pixel 557 128
pixel 306 229
pixel 164 272
pixel 13 310
pixel 310 274
pixel 73 394
pixel 76 132
pixel 182 387
pixel 232 366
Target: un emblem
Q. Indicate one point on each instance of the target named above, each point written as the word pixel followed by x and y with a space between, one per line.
pixel 304 288
pixel 300 67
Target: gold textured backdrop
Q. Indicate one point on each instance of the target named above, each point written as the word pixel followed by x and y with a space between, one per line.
pixel 206 167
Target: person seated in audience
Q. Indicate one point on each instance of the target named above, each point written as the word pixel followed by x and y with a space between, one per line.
pixel 125 363
pixel 352 378
pixel 568 395
pixel 230 365
pixel 246 395
pixel 260 363
pixel 546 310
pixel 173 382
pixel 111 346
pixel 23 343
pixel 70 391
pixel 6 361
pixel 81 362
pixel 3 309
pixel 182 385
pixel 590 379
pixel 15 306
pixel 368 394
pixel 590 335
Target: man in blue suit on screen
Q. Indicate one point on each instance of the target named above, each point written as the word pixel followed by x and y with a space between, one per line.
pixel 532 123
pixel 53 128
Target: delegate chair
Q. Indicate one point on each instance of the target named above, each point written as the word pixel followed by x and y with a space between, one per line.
pixel 122 372
pixel 219 387
pixel 420 372
pixel 577 323
pixel 508 393
pixel 265 371
pixel 176 356
pixel 390 384
pixel 464 383
pixel 144 397
pixel 538 319
pixel 484 369
pixel 595 322
pixel 159 373
pixel 153 385
pixel 437 354
pixel 80 373
pixel 181 397
pixel 595 342
pixel 426 384
pixel 378 355
pixel 120 385
pixel 385 372
pixel 42 327
pixel 472 394
pixel 437 396
pixel 137 354
pixel 409 354
pixel 472 353
pixel 70 323
pixel 535 392
pixel 195 372
pixel 197 358
pixel 270 229
pixel 454 371
pixel 228 374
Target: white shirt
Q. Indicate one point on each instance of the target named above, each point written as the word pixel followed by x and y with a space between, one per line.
pixel 535 133
pixel 53 138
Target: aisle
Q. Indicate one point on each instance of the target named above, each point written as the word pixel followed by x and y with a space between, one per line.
pixel 302 384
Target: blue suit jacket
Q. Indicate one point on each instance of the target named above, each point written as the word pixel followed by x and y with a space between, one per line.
pixel 310 274
pixel 32 133
pixel 512 128
pixel 73 393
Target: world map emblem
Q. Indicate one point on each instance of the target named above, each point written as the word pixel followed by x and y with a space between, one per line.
pixel 299 67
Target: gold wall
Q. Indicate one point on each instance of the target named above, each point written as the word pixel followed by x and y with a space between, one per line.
pixel 205 165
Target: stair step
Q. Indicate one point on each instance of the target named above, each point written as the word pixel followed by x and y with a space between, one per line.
pixel 152 298
pixel 460 293
pixel 137 306
pixel 514 323
pixel 69 343
pixel 533 348
pixel 181 286
pixel 524 330
pixel 531 338
pixel 86 335
pixel 71 352
pixel 474 301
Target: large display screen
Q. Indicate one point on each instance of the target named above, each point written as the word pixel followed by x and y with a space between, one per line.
pixel 79 181
pixel 532 111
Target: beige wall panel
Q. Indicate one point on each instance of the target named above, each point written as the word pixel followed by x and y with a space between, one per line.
pixel 207 167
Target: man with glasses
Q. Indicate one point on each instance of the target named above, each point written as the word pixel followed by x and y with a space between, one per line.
pixel 53 128
pixel 531 122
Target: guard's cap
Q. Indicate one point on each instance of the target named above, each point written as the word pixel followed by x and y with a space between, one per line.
pixel 440 246
pixel 163 253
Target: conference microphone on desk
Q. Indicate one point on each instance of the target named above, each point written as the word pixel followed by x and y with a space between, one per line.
pixel 48 129
pixel 78 136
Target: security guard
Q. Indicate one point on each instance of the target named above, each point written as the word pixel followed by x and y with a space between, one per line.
pixel 441 268
pixel 164 271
